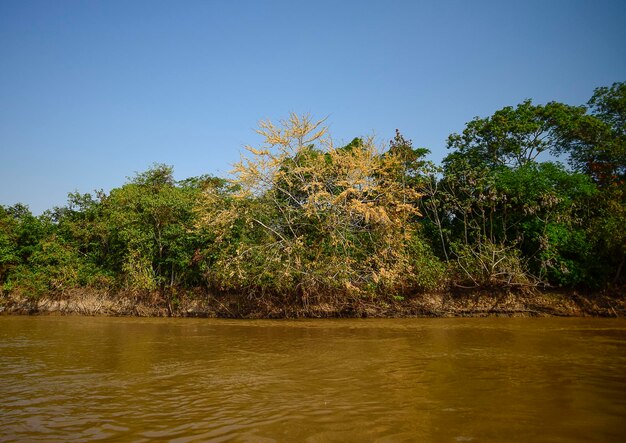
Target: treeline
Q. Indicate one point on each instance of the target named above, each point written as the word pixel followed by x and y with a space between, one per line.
pixel 532 196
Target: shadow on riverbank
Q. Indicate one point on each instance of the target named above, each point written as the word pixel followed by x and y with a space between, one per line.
pixel 201 304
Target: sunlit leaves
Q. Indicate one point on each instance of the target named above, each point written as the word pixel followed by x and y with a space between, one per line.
pixel 315 217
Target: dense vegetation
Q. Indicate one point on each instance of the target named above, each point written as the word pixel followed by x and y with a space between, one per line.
pixel 303 219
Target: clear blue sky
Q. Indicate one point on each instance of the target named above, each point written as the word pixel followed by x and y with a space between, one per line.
pixel 93 91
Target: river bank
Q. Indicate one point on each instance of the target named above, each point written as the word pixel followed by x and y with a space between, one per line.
pixel 201 304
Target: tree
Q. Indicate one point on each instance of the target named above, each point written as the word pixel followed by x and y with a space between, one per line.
pixel 596 146
pixel 596 142
pixel 149 223
pixel 513 137
pixel 9 256
pixel 508 218
pixel 314 219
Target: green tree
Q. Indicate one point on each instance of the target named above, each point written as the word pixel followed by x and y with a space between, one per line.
pixel 9 257
pixel 596 146
pixel 596 141
pixel 513 137
pixel 149 223
pixel 507 218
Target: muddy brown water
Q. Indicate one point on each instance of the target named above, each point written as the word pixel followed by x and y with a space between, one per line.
pixel 457 380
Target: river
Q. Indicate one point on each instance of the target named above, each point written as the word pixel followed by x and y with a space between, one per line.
pixel 456 380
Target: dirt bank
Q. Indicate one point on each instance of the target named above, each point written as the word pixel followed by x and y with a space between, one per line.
pixel 202 304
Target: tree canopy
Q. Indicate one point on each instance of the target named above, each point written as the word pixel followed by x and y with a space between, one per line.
pixel 302 218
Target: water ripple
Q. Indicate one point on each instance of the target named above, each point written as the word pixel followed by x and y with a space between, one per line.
pixel 128 379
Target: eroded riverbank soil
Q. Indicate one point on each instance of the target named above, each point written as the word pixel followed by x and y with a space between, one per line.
pixel 202 304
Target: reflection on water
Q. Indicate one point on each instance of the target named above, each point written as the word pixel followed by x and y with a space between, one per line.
pixel 78 378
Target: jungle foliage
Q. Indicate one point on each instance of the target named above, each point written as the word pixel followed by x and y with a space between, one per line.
pixel 532 196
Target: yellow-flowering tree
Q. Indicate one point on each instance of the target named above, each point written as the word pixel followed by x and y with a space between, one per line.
pixel 312 219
